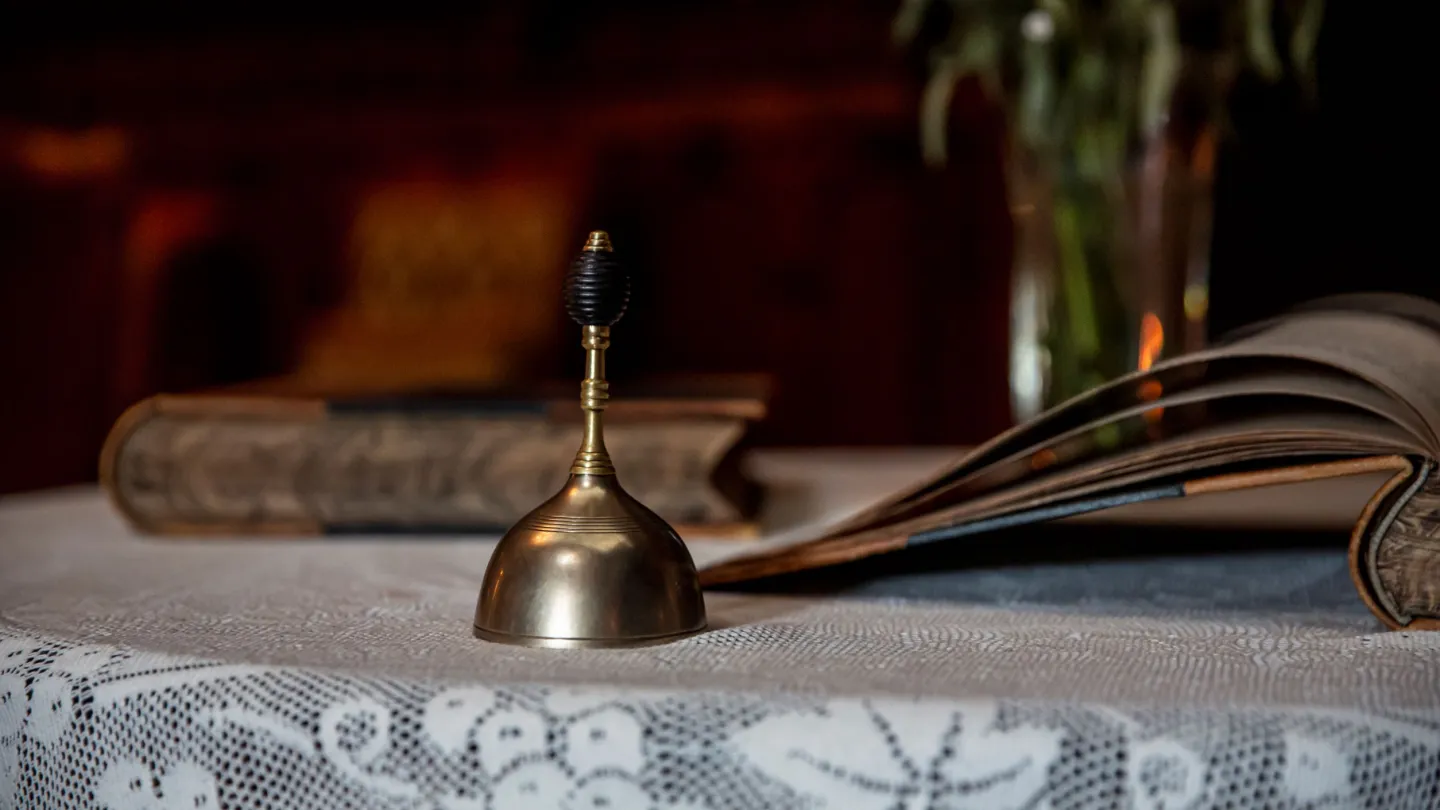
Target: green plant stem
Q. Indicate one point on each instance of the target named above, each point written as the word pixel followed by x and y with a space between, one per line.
pixel 1075 280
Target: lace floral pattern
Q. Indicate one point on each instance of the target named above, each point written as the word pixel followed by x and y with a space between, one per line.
pixel 95 726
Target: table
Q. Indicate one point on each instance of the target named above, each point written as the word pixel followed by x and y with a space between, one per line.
pixel 148 673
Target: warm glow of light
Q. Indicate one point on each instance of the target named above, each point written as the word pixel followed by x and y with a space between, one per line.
pixel 1042 459
pixel 1197 302
pixel 1202 159
pixel 1152 340
pixel 61 154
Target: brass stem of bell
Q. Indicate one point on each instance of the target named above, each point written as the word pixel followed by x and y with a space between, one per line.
pixel 593 458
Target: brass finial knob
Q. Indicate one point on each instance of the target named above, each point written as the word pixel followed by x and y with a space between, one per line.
pixel 599 241
pixel 592 566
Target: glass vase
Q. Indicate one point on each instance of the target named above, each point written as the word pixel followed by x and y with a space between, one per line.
pixel 1111 260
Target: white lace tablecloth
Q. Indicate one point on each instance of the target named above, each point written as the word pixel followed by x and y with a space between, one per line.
pixel 140 673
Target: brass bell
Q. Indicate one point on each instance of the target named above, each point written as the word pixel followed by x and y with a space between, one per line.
pixel 592 566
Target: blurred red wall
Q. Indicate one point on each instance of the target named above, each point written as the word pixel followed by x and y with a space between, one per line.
pixel 178 197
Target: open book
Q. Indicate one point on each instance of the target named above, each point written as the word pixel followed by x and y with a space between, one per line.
pixel 1346 386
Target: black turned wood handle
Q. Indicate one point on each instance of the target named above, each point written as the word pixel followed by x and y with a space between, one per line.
pixel 597 288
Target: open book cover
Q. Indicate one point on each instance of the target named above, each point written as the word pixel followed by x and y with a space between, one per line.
pixel 1344 386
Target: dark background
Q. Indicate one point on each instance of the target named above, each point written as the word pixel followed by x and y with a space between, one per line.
pixel 757 163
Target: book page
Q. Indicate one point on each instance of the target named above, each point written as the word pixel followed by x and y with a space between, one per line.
pixel 1252 393
pixel 1270 442
pixel 1399 355
pixel 1388 342
pixel 1287 436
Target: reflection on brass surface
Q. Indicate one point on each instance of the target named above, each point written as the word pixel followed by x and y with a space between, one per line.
pixel 580 524
pixel 624 578
pixel 593 459
pixel 591 566
pixel 599 240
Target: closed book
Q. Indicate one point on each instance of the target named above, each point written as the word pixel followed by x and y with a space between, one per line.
pixel 274 459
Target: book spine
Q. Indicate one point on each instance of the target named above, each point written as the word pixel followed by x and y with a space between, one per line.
pixel 203 465
pixel 1395 554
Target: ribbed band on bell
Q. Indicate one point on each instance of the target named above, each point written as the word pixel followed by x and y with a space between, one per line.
pixel 597 289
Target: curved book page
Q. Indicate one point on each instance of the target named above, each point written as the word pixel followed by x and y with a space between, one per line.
pixel 1338 388
pixel 1163 470
pixel 1137 426
pixel 1390 341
